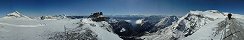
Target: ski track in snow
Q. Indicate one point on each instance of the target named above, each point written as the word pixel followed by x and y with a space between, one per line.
pixel 38 25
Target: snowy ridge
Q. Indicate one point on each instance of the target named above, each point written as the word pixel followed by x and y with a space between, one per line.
pixel 16 14
pixel 165 22
pixel 196 15
pixel 88 30
pixel 206 32
pixel 186 25
pixel 167 19
pixel 195 19
pixel 102 29
pixel 221 29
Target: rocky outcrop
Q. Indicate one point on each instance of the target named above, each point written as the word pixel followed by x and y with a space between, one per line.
pixel 98 16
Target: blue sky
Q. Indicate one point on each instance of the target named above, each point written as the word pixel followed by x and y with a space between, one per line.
pixel 117 7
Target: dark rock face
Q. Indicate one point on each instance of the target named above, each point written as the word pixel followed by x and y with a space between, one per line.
pixel 98 16
pixel 118 26
pixel 133 30
pixel 144 27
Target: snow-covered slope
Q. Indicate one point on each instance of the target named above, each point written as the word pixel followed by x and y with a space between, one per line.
pixel 24 29
pixel 197 19
pixel 186 25
pixel 221 29
pixel 16 14
pixel 165 22
pixel 102 29
pixel 207 32
pixel 89 30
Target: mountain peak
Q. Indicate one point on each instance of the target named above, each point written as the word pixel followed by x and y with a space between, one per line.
pixel 15 14
pixel 208 13
pixel 214 11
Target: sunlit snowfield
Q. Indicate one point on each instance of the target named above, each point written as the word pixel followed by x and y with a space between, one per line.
pixel 32 29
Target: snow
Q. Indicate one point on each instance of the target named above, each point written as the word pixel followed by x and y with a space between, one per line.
pixel 209 13
pixel 220 29
pixel 122 30
pixel 167 21
pixel 50 19
pixel 139 21
pixel 15 26
pixel 35 29
pixel 3 30
pixel 206 31
pixel 182 18
pixel 128 21
pixel 238 16
pixel 16 14
pixel 102 33
pixel 199 17
pixel 56 17
pixel 25 29
pixel 6 24
pixel 187 25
